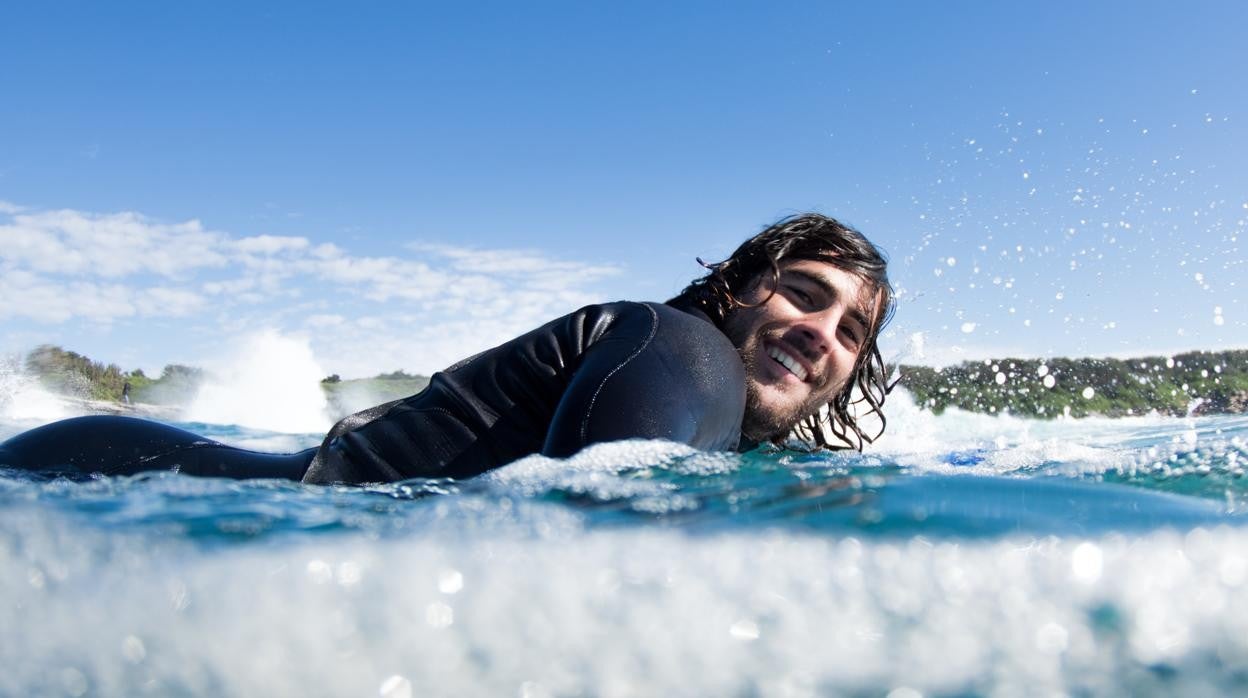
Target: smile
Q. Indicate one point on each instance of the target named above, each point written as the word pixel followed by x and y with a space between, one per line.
pixel 788 362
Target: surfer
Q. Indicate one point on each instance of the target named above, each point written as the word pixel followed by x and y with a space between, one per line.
pixel 773 342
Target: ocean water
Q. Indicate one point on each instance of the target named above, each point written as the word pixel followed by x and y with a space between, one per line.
pixel 962 555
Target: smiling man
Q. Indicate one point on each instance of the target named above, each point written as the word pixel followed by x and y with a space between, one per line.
pixel 803 302
pixel 776 341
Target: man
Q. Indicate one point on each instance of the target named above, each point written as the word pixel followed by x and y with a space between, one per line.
pixel 775 340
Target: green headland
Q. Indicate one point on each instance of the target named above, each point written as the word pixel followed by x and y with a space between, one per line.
pixel 1189 383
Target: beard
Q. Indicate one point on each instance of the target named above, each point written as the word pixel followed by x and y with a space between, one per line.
pixel 764 419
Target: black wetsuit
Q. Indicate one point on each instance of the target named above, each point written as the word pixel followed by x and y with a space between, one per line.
pixel 603 373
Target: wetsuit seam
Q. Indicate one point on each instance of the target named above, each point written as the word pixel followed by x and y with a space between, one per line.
pixel 589 411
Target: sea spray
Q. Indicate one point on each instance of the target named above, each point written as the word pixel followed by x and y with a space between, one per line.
pixel 22 399
pixel 271 382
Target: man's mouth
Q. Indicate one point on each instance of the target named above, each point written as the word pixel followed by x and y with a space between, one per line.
pixel 785 359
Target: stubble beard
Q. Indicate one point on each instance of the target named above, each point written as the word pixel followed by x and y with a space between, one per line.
pixel 762 421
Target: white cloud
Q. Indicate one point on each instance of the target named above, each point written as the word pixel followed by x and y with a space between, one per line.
pixel 269 244
pixel 27 295
pixel 383 278
pixel 420 309
pixel 106 245
pixel 321 321
pixel 173 302
pixel 230 287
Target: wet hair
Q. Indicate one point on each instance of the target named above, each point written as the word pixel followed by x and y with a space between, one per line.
pixel 816 237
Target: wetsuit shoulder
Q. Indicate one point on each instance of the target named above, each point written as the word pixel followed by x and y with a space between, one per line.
pixel 659 373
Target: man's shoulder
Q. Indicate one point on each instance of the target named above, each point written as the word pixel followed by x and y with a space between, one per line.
pixel 679 328
pixel 657 371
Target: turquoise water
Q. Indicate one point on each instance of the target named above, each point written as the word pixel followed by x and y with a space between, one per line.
pixel 965 555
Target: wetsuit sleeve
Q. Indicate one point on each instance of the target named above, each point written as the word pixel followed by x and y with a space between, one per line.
pixel 111 445
pixel 658 374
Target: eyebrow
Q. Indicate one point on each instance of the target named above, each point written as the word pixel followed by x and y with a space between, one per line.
pixel 854 312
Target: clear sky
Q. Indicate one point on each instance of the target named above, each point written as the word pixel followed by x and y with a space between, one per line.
pixel 401 184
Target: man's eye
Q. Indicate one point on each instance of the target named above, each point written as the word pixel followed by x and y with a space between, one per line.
pixel 852 335
pixel 801 295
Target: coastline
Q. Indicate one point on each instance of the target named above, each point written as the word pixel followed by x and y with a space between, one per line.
pixel 84 406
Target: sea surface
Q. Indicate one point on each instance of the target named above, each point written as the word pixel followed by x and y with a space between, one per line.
pixel 962 555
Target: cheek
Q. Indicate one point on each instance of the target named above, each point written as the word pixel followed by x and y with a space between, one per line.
pixel 845 370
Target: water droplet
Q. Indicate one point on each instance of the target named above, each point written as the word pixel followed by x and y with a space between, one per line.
pixel 133 650
pixel 450 581
pixel 320 571
pixel 1233 570
pixel 1086 562
pixel 744 629
pixel 395 687
pixel 1088 392
pixel 533 689
pixel 439 615
pixel 1051 638
pixel 349 574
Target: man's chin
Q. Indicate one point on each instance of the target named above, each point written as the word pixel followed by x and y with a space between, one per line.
pixel 765 422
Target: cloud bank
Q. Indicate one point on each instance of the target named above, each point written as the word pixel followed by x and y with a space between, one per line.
pixel 420 308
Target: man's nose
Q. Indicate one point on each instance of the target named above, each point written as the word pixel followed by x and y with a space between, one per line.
pixel 819 330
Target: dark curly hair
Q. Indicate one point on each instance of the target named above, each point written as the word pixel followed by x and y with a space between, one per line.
pixel 815 237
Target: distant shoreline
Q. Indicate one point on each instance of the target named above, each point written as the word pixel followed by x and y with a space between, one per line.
pixel 121 409
pixel 1191 383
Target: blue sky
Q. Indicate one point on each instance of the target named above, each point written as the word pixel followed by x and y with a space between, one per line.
pixel 401 184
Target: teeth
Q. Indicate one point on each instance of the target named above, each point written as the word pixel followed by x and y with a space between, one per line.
pixel 788 362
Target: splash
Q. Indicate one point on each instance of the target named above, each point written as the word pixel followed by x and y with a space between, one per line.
pixel 272 382
pixel 22 399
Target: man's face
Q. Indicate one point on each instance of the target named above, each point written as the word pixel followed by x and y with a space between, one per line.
pixel 799 348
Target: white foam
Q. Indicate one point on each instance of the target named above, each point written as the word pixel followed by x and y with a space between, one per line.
pixel 1006 443
pixel 593 471
pixel 272 382
pixel 625 612
pixel 22 399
